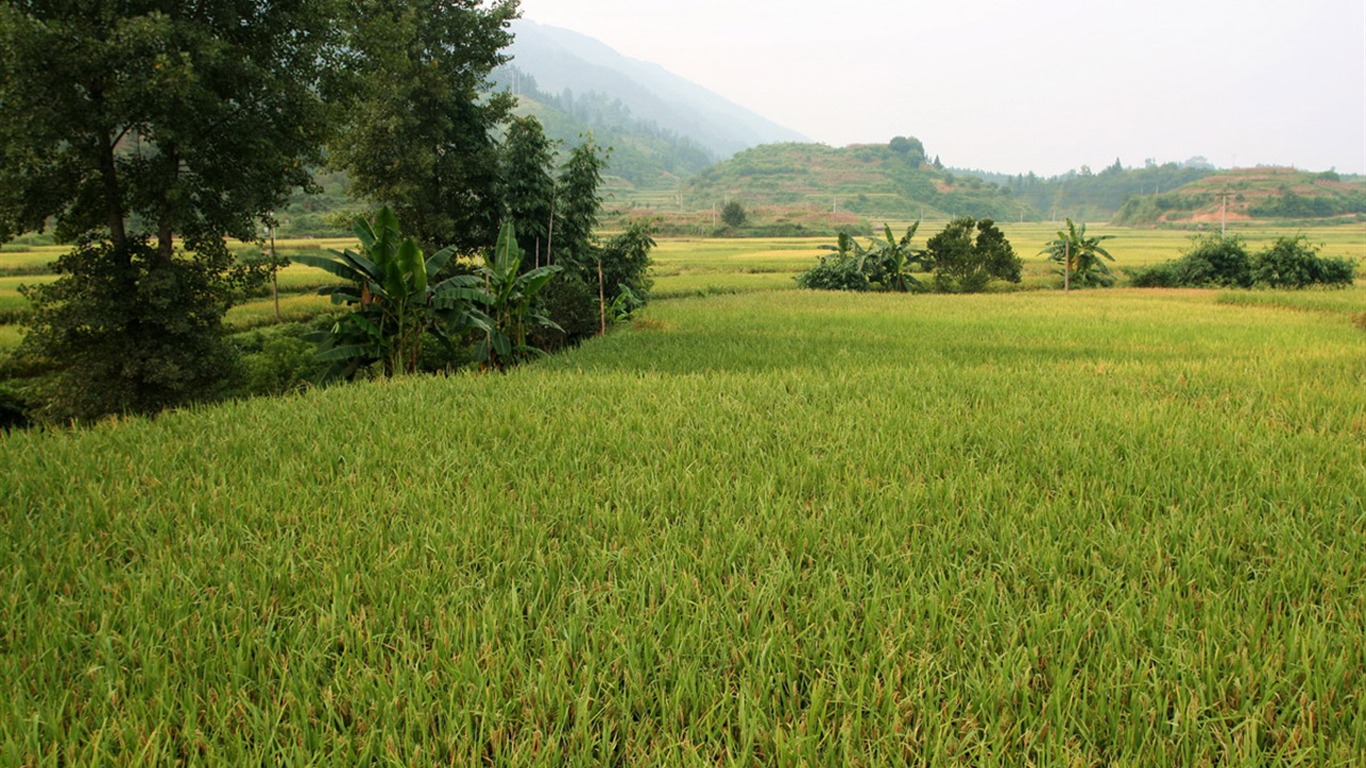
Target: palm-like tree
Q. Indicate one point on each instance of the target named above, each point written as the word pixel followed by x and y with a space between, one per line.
pixel 395 302
pixel 1080 257
pixel 896 258
pixel 509 295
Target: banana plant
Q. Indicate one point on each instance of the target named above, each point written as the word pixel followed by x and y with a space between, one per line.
pixel 508 296
pixel 395 303
pixel 1079 257
pixel 894 260
pixel 887 262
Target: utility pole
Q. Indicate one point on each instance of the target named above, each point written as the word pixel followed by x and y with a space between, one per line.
pixel 1067 265
pixel 274 275
pixel 1223 218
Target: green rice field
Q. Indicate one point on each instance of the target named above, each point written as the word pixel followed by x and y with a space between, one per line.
pixel 783 528
pixel 691 267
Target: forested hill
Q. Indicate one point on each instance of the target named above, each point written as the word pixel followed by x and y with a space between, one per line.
pixel 894 180
pixel 642 153
pixel 1278 194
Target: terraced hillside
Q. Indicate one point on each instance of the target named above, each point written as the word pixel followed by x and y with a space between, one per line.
pixel 1278 194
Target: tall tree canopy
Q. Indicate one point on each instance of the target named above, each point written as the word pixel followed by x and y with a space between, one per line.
pixel 418 135
pixel 529 186
pixel 578 202
pixel 170 118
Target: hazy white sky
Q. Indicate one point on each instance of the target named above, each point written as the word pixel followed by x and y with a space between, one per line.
pixel 1047 85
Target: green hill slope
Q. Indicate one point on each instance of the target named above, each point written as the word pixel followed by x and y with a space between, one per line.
pixel 875 181
pixel 1281 194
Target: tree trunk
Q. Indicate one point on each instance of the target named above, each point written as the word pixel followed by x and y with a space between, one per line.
pixel 1066 267
pixel 113 197
pixel 274 276
pixel 165 242
pixel 550 234
pixel 165 228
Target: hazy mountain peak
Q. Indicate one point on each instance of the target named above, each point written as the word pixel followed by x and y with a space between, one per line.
pixel 561 59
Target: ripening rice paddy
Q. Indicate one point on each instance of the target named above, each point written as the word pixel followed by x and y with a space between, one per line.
pixel 779 528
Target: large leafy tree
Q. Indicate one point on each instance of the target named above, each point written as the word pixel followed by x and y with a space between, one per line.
pixel 418 134
pixel 129 125
pixel 168 118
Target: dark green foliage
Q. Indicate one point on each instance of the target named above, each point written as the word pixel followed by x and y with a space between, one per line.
pixel 578 202
pixel 1291 262
pixel 276 360
pixel 1212 261
pixel 130 332
pixel 733 214
pixel 885 264
pixel 528 186
pixel 625 261
pixel 840 271
pixel 510 304
pixel 1290 205
pixel 893 261
pixel 14 410
pixel 197 119
pixel 417 135
pixel 911 148
pixel 1164 275
pixel 969 254
pixel 121 122
pixel 572 305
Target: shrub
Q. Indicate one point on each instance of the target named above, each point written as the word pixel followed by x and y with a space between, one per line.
pixel 276 360
pixel 130 331
pixel 573 306
pixel 1156 276
pixel 836 272
pixel 1291 262
pixel 625 261
pixel 734 215
pixel 1213 261
pixel 14 410
pixel 963 263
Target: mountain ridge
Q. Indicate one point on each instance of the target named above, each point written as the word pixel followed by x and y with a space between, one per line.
pixel 561 60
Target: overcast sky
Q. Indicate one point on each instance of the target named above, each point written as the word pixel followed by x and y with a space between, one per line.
pixel 1005 86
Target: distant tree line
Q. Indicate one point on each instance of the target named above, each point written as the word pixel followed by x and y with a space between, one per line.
pixel 1083 194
